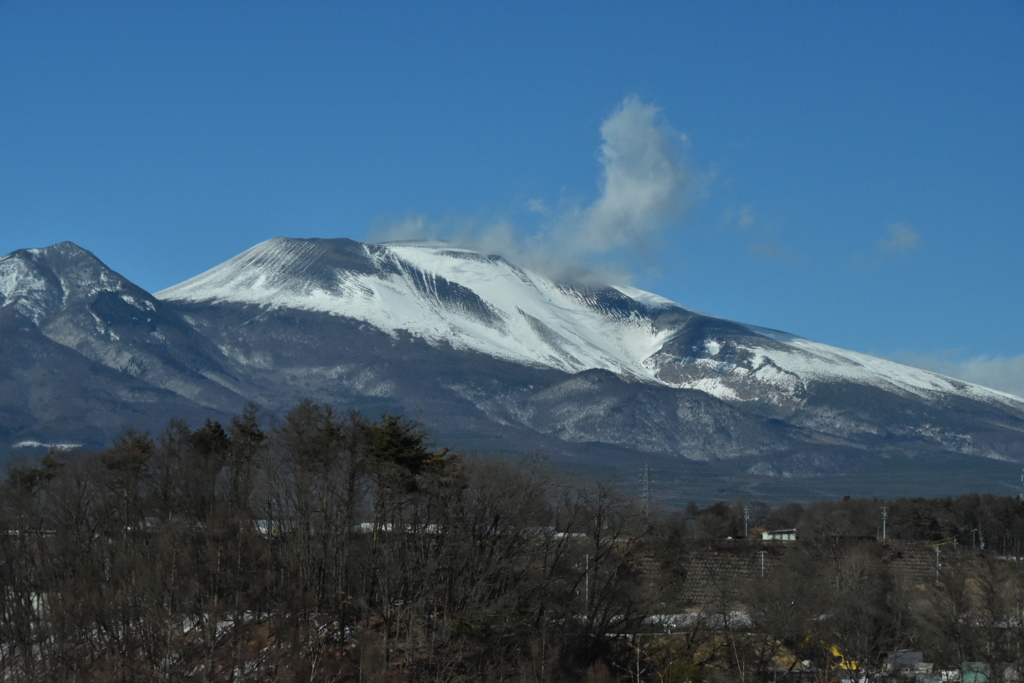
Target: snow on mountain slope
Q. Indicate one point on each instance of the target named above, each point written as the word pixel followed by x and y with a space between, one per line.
pixel 484 304
pixel 436 292
pixel 72 298
pixel 810 359
pixel 39 282
pixel 791 364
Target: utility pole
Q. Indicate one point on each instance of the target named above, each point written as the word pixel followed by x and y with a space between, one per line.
pixel 761 553
pixel 936 564
pixel 746 520
pixel 885 516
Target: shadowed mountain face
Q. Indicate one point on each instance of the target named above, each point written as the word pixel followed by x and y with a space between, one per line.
pixel 491 357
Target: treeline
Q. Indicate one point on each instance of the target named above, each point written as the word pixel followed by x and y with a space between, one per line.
pixel 329 547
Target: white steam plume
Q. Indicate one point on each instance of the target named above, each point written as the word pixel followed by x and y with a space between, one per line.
pixel 644 183
pixel 644 186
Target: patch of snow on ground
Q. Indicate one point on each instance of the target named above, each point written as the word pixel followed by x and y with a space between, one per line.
pixel 711 385
pixel 51 446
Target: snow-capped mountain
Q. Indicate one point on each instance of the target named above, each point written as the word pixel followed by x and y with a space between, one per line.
pixel 443 295
pixel 40 283
pixel 471 302
pixel 75 300
pixel 84 352
pixel 490 356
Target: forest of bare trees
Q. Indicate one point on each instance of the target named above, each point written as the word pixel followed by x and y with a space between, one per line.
pixel 328 547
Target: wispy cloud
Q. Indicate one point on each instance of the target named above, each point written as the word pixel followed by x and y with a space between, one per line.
pixel 764 243
pixel 740 218
pixel 413 227
pixel 901 237
pixel 746 218
pixel 766 249
pixel 996 372
pixel 538 206
pixel 645 184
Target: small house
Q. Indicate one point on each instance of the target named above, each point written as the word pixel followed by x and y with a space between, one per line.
pixel 779 535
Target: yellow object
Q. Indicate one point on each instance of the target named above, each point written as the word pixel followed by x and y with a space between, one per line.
pixel 843 663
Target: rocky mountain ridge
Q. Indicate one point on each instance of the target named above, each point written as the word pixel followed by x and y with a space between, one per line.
pixel 489 355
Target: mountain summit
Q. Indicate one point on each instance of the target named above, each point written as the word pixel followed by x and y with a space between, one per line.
pixel 40 283
pixel 489 355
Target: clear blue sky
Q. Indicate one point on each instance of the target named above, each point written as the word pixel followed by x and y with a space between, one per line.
pixel 852 173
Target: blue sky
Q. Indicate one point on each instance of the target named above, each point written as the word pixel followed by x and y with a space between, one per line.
pixel 850 173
